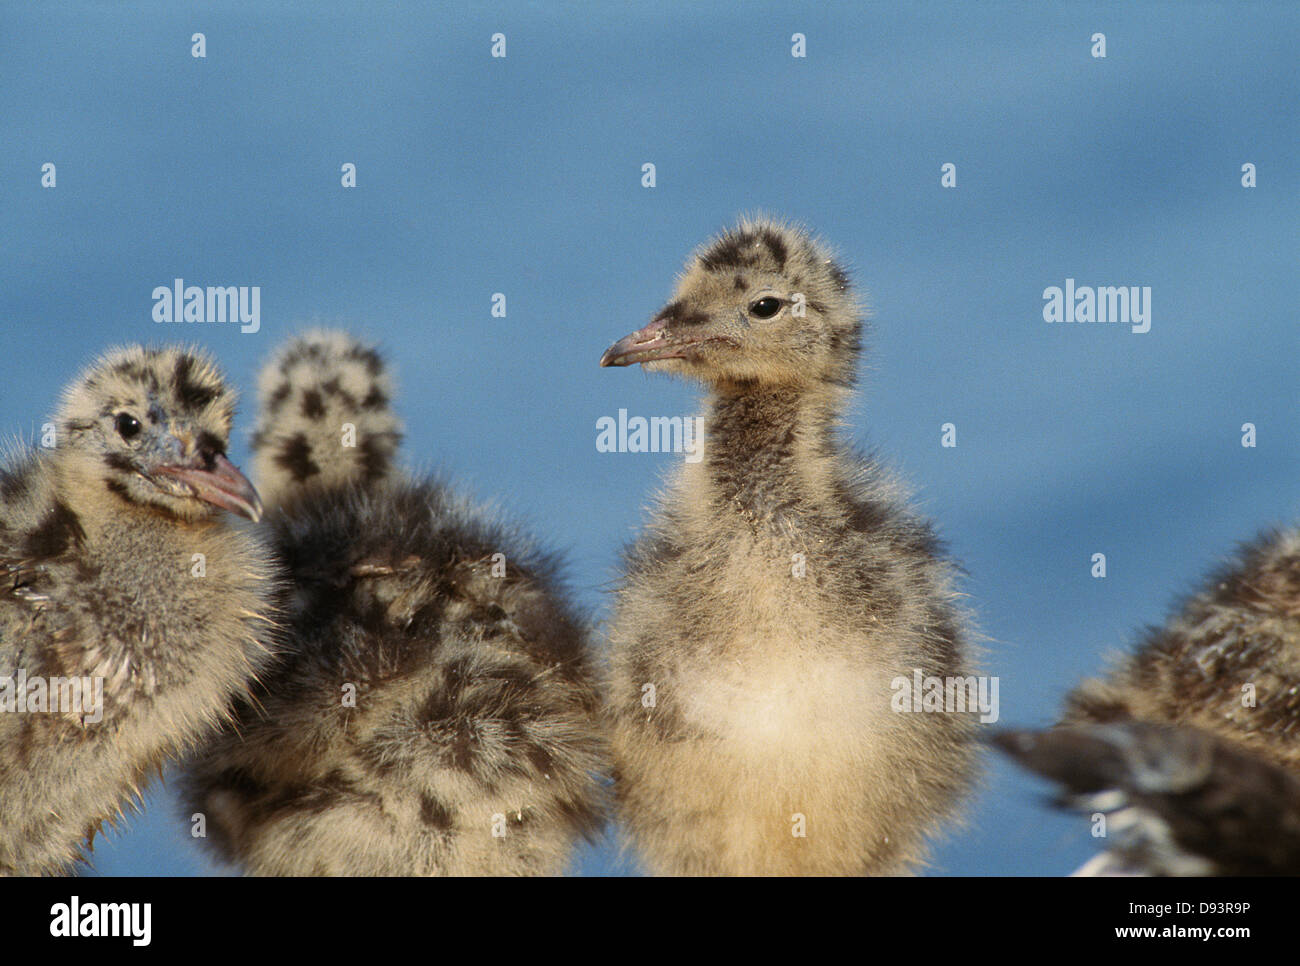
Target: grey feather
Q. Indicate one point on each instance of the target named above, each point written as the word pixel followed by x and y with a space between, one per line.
pixel 1192 739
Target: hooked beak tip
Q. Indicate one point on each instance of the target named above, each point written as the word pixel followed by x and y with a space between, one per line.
pixel 221 486
pixel 254 509
pixel 644 345
pixel 610 358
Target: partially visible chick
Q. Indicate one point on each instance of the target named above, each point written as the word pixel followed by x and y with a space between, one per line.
pixel 119 573
pixel 1178 800
pixel 434 712
pixel 1191 743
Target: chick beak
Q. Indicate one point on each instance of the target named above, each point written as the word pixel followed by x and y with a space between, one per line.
pixel 221 484
pixel 645 345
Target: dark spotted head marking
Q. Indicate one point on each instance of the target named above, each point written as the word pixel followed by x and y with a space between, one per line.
pixel 313 406
pixel 133 370
pixel 334 387
pixel 763 303
pixel 367 357
pixel 195 388
pixel 678 313
pixel 775 246
pixel 326 418
pixel 120 461
pixel 758 247
pixel 277 397
pixel 729 252
pixel 152 425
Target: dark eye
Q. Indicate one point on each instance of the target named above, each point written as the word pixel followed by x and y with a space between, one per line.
pixel 766 307
pixel 128 427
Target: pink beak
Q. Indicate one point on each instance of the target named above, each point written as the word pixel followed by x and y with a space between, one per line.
pixel 646 345
pixel 223 486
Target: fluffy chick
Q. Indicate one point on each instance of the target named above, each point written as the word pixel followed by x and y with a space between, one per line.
pixel 434 713
pixel 781 591
pixel 119 574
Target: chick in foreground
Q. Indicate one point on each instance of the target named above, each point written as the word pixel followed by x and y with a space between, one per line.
pixel 780 592
pixel 130 609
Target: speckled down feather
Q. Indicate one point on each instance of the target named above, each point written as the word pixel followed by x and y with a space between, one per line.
pixel 435 711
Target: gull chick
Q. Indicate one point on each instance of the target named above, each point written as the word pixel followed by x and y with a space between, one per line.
pixel 131 611
pixel 780 591
pixel 434 711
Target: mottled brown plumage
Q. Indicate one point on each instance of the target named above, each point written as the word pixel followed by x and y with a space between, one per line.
pixel 780 590
pixel 117 569
pixel 434 712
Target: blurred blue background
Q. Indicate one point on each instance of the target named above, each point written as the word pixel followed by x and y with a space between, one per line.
pixel 523 176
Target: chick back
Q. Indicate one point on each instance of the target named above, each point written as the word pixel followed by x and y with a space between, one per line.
pixel 433 713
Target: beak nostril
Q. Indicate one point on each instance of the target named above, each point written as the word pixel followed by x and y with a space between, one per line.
pixel 209 448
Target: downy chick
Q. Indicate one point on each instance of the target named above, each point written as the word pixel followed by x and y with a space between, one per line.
pixel 120 575
pixel 434 713
pixel 780 592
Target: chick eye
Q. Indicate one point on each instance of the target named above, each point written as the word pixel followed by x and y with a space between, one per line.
pixel 128 427
pixel 766 307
